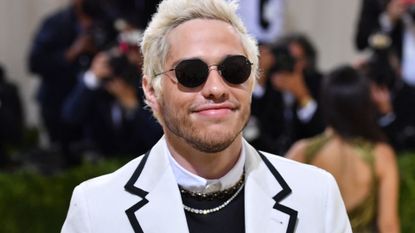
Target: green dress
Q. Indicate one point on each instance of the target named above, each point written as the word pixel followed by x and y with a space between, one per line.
pixel 363 216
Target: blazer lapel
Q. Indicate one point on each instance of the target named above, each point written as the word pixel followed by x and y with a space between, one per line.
pixel 159 206
pixel 264 191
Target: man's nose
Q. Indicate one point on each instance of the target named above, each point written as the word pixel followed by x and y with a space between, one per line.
pixel 215 86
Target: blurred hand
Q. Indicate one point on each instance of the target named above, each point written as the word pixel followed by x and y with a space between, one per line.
pixel 395 9
pixel 100 66
pixel 382 98
pixel 125 94
pixel 292 82
pixel 82 44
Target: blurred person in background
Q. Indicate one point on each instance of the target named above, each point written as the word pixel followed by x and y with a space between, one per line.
pixel 261 130
pixel 131 10
pixel 61 49
pixel 396 20
pixel 292 110
pixel 394 98
pixel 109 104
pixel 353 149
pixel 11 117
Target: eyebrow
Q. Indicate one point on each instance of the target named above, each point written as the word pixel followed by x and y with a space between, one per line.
pixel 199 58
pixel 184 59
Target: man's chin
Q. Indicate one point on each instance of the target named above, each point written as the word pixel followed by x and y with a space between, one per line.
pixel 213 144
pixel 210 148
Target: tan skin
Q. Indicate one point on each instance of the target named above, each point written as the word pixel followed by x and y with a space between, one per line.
pixel 341 159
pixel 213 114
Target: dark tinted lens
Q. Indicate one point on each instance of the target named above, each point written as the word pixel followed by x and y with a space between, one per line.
pixel 235 69
pixel 192 73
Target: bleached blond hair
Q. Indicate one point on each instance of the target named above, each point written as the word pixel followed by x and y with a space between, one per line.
pixel 170 14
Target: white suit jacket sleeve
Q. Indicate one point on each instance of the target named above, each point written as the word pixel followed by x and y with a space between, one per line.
pixel 77 218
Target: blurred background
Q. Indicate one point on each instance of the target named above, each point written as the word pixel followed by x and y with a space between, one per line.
pixel 329 23
pixel 71 109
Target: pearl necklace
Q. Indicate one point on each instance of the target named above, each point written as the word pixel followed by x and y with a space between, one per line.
pixel 208 211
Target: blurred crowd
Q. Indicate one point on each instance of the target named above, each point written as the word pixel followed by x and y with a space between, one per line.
pixel 88 60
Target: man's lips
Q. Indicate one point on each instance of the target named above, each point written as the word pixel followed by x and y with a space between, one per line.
pixel 207 107
pixel 214 110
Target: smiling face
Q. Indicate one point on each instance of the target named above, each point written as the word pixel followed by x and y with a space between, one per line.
pixel 211 116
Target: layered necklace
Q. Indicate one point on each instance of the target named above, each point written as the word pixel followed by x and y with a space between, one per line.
pixel 229 194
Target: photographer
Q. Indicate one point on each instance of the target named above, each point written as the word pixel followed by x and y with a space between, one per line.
pixel 108 104
pixel 289 108
pixel 61 50
pixel 11 117
pixel 261 130
pixel 395 19
pixel 393 97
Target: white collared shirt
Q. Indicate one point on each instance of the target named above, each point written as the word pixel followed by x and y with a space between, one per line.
pixel 304 113
pixel 195 183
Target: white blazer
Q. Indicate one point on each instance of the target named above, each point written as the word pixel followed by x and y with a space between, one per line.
pixel 280 196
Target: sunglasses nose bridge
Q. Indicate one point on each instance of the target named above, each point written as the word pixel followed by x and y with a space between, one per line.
pixel 215 67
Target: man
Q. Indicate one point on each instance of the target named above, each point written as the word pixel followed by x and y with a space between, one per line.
pixel 297 80
pixel 287 109
pixel 11 117
pixel 394 19
pixel 106 102
pixel 392 96
pixel 61 50
pixel 202 176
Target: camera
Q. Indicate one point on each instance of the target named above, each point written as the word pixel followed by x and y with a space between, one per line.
pixel 122 68
pixel 379 67
pixel 284 61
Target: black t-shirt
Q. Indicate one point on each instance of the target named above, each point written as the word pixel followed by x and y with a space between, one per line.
pixel 229 219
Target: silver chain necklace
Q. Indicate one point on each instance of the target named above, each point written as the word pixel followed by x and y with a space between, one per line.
pixel 208 211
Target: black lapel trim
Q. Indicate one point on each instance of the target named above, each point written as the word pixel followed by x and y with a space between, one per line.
pixel 286 190
pixel 139 192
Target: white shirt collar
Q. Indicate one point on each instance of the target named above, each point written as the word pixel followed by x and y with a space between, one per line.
pixel 195 183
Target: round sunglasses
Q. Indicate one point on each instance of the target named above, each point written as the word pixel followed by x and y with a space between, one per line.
pixel 192 73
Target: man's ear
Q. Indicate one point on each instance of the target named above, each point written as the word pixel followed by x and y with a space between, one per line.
pixel 149 92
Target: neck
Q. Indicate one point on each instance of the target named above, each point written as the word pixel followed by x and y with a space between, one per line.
pixel 203 164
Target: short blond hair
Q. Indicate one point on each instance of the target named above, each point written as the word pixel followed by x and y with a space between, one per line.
pixel 172 13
